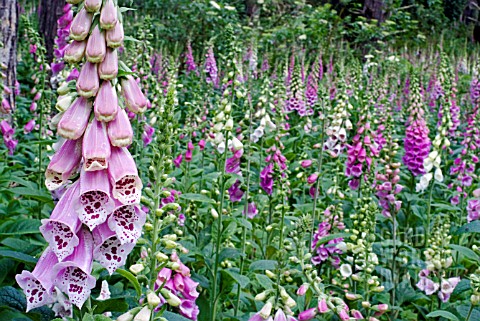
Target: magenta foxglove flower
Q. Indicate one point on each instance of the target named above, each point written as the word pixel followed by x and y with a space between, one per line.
pixel 120 130
pixel 127 222
pixel 134 98
pixel 61 228
pixel 95 200
pixel 322 306
pixel 29 126
pixel 178 160
pixel 162 277
pixel 266 179
pixel 108 68
pixel 201 144
pixel 73 75
pixel 108 16
pixel 64 162
pixel 80 26
pixel 235 191
pixel 307 314
pixel 106 103
pixel 473 210
pixel 127 186
pixel 96 46
pixel 280 316
pixel 88 82
pixel 73 274
pixel 115 36
pixel 75 120
pixel 5 108
pixel 6 129
pixel 96 147
pixel 109 251
pixel 92 5
pixel 189 309
pixel 252 210
pixel 38 284
pixel 75 51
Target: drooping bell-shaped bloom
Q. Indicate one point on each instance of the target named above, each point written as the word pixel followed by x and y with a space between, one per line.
pixel 307 314
pixel 127 222
pixel 108 16
pixel 96 46
pixel 95 201
pixel 5 107
pixel 108 68
pixel 120 130
pixel 73 274
pixel 127 186
pixel 64 162
pixel 29 126
pixel 280 316
pixel 75 51
pixel 115 36
pixel 134 98
pixel 189 309
pixel 88 82
pixel 92 5
pixel 109 251
pixel 96 147
pixel 106 103
pixel 38 284
pixel 75 120
pixel 266 179
pixel 6 129
pixel 80 26
pixel 61 228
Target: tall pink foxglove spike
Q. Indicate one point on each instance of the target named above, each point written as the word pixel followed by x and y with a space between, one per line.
pixel 61 228
pixel 108 68
pixel 120 130
pixel 88 82
pixel 73 275
pixel 93 5
pixel 95 200
pixel 75 120
pixel 127 186
pixel 134 98
pixel 63 164
pixel 75 51
pixel 115 36
pixel 106 103
pixel 127 222
pixel 108 16
pixel 109 251
pixel 38 285
pixel 96 147
pixel 96 46
pixel 80 26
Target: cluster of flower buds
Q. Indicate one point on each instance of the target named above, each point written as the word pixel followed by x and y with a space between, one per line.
pixel 283 305
pixel 232 165
pixel 295 100
pixel 333 220
pixel 264 104
pixel 311 91
pixel 475 285
pixel 8 133
pixel 211 68
pixel 339 124
pixel 190 65
pixel 98 217
pixel 275 160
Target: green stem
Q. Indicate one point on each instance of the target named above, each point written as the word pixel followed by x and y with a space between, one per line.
pixel 469 313
pixel 429 211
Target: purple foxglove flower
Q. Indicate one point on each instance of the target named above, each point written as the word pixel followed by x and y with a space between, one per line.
pixel 73 274
pixel 109 251
pixel 127 222
pixel 61 228
pixel 189 309
pixel 75 120
pixel 448 285
pixel 134 98
pixel 127 186
pixel 178 282
pixel 344 315
pixel 75 51
pixel 201 144
pixel 444 297
pixel 95 201
pixel 29 126
pixel 266 179
pixel 88 82
pixel 57 67
pixel 108 16
pixel 73 75
pixel 6 129
pixel 357 315
pixel 252 210
pixel 190 288
pixel 5 108
pixel 92 5
pixel 307 314
pixel 62 307
pixel 256 317
pixel 64 162
pixel 115 36
pixel 106 103
pixel 108 68
pixel 96 147
pixel 120 130
pixel 306 163
pixel 312 179
pixel 178 160
pixel 38 284
pixel 162 277
pixel 322 306
pixel 80 26
pixel 280 316
pixel 96 47
pixel 235 192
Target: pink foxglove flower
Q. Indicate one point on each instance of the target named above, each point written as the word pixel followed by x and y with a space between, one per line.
pixel 189 309
pixel 96 147
pixel 127 186
pixel 63 164
pixel 92 5
pixel 95 200
pixel 115 36
pixel 75 51
pixel 88 81
pixel 127 222
pixel 96 46
pixel 134 98
pixel 307 314
pixel 38 284
pixel 80 26
pixel 108 16
pixel 73 274
pixel 29 126
pixel 106 103
pixel 108 68
pixel 61 228
pixel 120 130
pixel 75 120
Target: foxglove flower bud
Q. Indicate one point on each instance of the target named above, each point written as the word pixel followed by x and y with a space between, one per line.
pixel 64 102
pixel 108 68
pixel 80 26
pixel 92 5
pixel 120 130
pixel 75 119
pixel 75 51
pixel 88 82
pixel 115 36
pixel 65 161
pixel 106 103
pixel 127 222
pixel 96 47
pixel 134 98
pixel 108 16
pixel 127 186
pixel 96 147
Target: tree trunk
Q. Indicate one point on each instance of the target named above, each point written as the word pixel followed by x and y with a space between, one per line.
pixel 8 46
pixel 375 9
pixel 48 13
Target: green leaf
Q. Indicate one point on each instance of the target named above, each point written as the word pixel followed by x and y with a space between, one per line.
pixel 263 265
pixel 99 317
pixel 330 237
pixel 20 227
pixel 11 297
pixel 18 256
pixel 463 310
pixel 133 280
pixel 472 227
pixel 443 314
pixel 88 317
pixel 170 316
pixel 5 266
pixel 229 253
pixel 465 251
pixel 39 195
pixel 242 280
pixel 197 198
pixel 264 281
pixel 114 305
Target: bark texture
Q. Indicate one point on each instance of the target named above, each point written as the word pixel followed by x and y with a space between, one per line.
pixel 375 9
pixel 8 46
pixel 48 13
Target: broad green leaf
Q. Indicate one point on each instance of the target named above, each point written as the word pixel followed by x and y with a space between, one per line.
pixel 88 317
pixel 443 314
pixel 11 297
pixel 99 317
pixel 464 309
pixel 472 227
pixel 242 280
pixel 264 281
pixel 20 227
pixel 170 316
pixel 18 256
pixel 330 237
pixel 114 305
pixel 263 265
pixel 133 280
pixel 465 251
pixel 229 253
pixel 39 195
pixel 197 198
